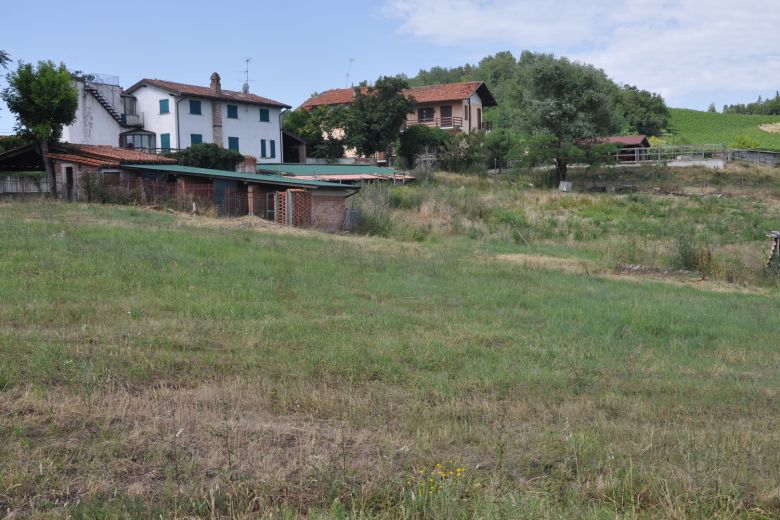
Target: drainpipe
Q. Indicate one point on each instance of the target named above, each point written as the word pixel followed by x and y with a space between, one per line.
pixel 178 137
pixel 281 136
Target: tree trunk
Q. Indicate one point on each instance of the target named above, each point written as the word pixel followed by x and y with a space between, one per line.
pixel 43 149
pixel 560 169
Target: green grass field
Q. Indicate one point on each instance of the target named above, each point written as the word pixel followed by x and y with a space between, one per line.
pixel 695 127
pixel 162 366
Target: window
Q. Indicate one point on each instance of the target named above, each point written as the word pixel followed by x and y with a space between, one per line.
pixel 164 106
pixel 195 107
pixel 196 139
pixel 262 148
pixel 265 115
pixel 425 114
pixel 233 143
pixel 466 112
pixel 273 149
pixel 232 111
pixel 165 141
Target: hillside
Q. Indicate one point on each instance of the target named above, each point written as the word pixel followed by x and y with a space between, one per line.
pixel 695 127
pixel 491 363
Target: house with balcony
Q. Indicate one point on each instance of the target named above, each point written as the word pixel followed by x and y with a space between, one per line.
pixel 158 115
pixel 452 106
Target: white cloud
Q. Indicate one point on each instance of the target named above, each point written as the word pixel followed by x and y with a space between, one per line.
pixel 679 48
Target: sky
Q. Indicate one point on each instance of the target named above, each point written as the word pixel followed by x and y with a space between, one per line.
pixel 692 52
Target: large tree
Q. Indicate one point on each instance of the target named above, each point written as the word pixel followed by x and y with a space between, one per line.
pixel 5 59
pixel 642 111
pixel 44 100
pixel 563 103
pixel 321 128
pixel 376 115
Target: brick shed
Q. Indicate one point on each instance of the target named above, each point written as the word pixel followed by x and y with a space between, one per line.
pixel 286 200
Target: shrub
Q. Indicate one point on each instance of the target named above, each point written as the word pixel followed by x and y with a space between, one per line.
pixel 691 255
pixel 373 204
pixel 405 197
pixel 418 138
pixel 209 155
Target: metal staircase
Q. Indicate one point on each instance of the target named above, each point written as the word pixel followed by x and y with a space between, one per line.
pixel 105 104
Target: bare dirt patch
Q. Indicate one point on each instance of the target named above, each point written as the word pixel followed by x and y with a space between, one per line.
pixel 772 128
pixel 635 273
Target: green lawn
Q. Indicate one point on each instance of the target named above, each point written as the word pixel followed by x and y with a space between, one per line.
pixel 695 127
pixel 152 366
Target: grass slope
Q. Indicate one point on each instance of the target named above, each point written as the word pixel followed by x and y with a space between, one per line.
pixel 695 127
pixel 156 369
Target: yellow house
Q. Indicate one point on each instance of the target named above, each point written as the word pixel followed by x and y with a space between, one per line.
pixel 453 106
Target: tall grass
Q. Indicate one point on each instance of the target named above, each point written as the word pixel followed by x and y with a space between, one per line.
pixel 154 366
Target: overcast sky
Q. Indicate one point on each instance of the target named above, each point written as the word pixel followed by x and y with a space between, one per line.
pixel 691 52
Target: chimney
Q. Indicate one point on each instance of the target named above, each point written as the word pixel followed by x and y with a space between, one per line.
pixel 216 110
pixel 216 86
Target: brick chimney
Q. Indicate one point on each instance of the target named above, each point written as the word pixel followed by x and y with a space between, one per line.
pixel 216 110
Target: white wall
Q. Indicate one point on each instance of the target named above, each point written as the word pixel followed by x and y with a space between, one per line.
pixel 250 130
pixel 93 125
pixel 148 103
pixel 248 127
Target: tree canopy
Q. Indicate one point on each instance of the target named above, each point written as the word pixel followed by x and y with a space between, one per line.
pixel 564 104
pixel 321 128
pixel 376 115
pixel 44 100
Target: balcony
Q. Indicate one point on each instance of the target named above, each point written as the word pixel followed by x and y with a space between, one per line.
pixel 437 122
pixel 136 120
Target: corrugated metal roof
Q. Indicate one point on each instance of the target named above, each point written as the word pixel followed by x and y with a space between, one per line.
pixel 249 177
pixel 326 169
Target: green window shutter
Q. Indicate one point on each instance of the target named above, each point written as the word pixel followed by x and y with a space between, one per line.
pixel 262 147
pixel 273 149
pixel 163 106
pixel 233 143
pixel 232 111
pixel 196 138
pixel 195 107
pixel 165 141
pixel 265 115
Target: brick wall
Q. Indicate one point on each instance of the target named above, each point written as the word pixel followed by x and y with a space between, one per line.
pixel 327 213
pixel 301 200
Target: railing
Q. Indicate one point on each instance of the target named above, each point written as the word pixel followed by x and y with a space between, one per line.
pixel 23 185
pixel 133 119
pixel 157 151
pixel 437 122
pixel 487 126
pixel 663 154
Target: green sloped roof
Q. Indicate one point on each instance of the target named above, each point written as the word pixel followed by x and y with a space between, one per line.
pixel 223 174
pixel 325 169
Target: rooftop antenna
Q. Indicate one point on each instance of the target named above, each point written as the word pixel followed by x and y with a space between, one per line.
pixel 245 86
pixel 349 69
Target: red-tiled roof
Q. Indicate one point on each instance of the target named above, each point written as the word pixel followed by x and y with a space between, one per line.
pixel 628 140
pixel 336 96
pixel 427 94
pixel 105 156
pixel 182 89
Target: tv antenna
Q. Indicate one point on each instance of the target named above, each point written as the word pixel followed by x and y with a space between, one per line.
pixel 245 86
pixel 349 69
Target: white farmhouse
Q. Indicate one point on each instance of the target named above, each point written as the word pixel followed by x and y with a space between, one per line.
pixel 161 115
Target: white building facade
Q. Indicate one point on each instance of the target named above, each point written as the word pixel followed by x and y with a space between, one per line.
pixel 163 115
pixel 182 115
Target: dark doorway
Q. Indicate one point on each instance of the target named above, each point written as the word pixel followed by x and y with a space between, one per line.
pixel 479 119
pixel 446 116
pixel 68 183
